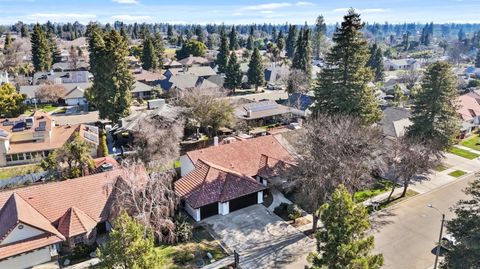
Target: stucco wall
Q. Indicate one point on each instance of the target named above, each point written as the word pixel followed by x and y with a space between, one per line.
pixel 20 234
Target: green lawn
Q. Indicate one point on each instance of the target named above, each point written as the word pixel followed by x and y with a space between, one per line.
pixel 472 142
pixel 44 107
pixel 379 187
pixel 9 172
pixel 184 255
pixel 463 153
pixel 442 167
pixel 394 200
pixel 457 173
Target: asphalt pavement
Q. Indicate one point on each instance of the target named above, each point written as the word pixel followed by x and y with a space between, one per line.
pixel 406 233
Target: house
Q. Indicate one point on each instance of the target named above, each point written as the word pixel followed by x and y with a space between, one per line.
pixel 148 77
pixel 300 101
pixel 170 64
pixel 199 71
pixel 62 77
pixel 395 122
pixel 401 64
pixel 275 75
pixel 74 91
pixel 264 113
pixel 39 221
pixel 30 139
pixel 70 66
pixel 469 112
pixel 194 60
pixel 224 178
pixel 141 90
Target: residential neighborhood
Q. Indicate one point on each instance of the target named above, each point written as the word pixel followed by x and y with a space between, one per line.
pixel 137 134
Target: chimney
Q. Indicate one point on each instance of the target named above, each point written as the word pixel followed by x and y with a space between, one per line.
pixel 249 113
pixel 215 141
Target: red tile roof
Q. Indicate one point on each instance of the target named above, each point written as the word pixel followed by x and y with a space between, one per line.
pixel 209 183
pixel 468 107
pixel 75 222
pixel 243 156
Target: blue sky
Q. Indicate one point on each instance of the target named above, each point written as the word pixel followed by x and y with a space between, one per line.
pixel 237 12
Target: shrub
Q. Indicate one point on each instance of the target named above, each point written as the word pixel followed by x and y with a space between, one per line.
pixel 294 212
pixel 183 229
pixel 81 251
pixel 281 209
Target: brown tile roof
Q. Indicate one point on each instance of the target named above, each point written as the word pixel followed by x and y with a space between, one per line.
pixel 28 245
pixel 243 156
pixel 38 117
pixel 271 167
pixel 75 222
pixel 209 183
pixel 145 75
pixel 17 210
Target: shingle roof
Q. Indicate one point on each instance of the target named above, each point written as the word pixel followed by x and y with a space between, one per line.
pixel 243 156
pixel 75 222
pixel 468 107
pixel 392 115
pixel 193 60
pixel 209 183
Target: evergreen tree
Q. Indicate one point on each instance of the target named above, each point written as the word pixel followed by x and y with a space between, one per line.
pixel 129 245
pixel 343 84
pixel 192 47
pixel 291 39
pixel 301 59
pixel 112 81
pixel 477 59
pixel 222 57
pixel 8 42
pixel 280 41
pixel 343 241
pixel 233 76
pixel 375 62
pixel 11 101
pixel 233 39
pixel 465 228
pixel 56 53
pixel 256 70
pixel 319 36
pixel 149 56
pixel 250 41
pixel 159 49
pixel 41 50
pixel 434 115
pixel 24 31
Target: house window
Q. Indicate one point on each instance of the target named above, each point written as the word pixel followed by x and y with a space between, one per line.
pixel 9 158
pixel 28 156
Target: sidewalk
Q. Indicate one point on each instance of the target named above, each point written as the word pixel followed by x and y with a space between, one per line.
pixel 467 149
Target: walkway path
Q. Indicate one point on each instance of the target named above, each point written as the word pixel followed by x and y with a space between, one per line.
pixel 467 149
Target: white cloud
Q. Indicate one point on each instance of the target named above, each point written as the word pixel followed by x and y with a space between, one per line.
pixel 128 2
pixel 267 12
pixel 59 16
pixel 130 18
pixel 304 4
pixel 268 6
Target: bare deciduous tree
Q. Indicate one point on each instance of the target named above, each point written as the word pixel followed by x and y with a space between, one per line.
pixel 157 138
pixel 297 83
pixel 50 92
pixel 335 150
pixel 410 77
pixel 209 109
pixel 13 56
pixel 150 199
pixel 404 160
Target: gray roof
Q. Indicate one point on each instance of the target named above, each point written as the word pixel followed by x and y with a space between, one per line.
pixel 394 121
pixel 68 66
pixel 200 71
pixel 63 77
pixel 276 74
pixel 184 81
pixel 30 90
pixel 141 87
pixel 260 110
pixel 75 93
pixel 217 79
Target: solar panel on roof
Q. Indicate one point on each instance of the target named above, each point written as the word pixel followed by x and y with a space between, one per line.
pixel 3 133
pixel 263 107
pixel 7 123
pixel 41 126
pixel 18 126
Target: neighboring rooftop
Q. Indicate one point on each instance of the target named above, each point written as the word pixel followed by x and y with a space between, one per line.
pixel 258 110
pixel 395 121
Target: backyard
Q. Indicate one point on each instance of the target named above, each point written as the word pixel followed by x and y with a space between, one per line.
pixel 9 172
pixel 191 254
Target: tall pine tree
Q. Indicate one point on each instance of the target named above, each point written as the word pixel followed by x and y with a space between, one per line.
pixel 222 57
pixel 343 241
pixel 301 58
pixel 281 41
pixel 149 55
pixel 256 70
pixel 233 44
pixel 41 50
pixel 343 87
pixel 375 62
pixel 112 81
pixel 291 39
pixel 434 115
pixel 233 76
pixel 319 36
pixel 250 41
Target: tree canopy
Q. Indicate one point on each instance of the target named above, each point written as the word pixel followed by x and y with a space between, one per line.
pixel 343 85
pixel 11 101
pixel 233 76
pixel 41 50
pixel 192 47
pixel 222 57
pixel 256 70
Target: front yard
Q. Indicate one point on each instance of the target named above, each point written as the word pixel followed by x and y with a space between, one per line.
pixel 457 173
pixel 192 254
pixel 463 153
pixel 379 187
pixel 472 142
pixel 44 107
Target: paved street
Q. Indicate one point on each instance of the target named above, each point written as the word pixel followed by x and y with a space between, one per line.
pixel 406 233
pixel 262 239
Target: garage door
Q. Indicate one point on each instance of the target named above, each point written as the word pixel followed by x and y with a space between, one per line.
pixel 243 201
pixel 208 210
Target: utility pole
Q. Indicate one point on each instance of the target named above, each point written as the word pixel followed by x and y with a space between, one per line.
pixel 439 242
pixel 236 258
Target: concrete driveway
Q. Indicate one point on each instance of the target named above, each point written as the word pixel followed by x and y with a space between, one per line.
pixel 262 239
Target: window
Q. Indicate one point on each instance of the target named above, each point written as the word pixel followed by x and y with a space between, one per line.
pixel 9 158
pixel 28 155
pixel 14 157
pixel 21 157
